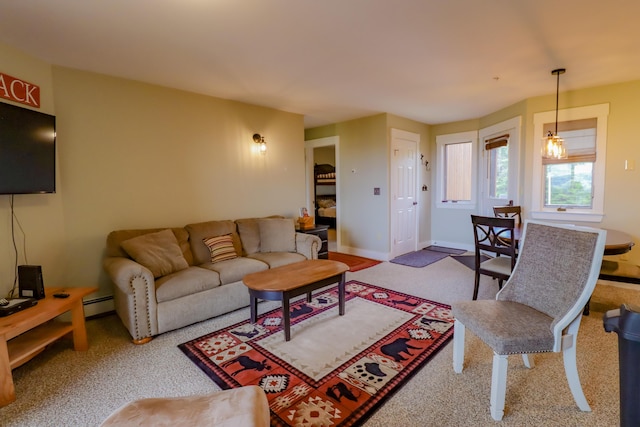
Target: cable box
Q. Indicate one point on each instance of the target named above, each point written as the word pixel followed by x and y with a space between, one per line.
pixel 16 305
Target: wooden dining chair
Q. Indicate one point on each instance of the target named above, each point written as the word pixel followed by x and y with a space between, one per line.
pixel 539 309
pixel 508 212
pixel 493 237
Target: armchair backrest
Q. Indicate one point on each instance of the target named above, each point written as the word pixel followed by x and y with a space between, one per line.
pixel 557 269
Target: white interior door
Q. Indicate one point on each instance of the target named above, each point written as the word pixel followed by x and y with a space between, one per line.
pixel 404 192
pixel 499 165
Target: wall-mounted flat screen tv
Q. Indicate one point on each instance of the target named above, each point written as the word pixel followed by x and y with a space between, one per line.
pixel 27 151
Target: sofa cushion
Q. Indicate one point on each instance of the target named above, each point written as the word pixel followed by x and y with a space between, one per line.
pixel 221 248
pixel 249 232
pixel 277 235
pixel 186 282
pixel 115 239
pixel 233 270
pixel 204 230
pixel 276 259
pixel 158 251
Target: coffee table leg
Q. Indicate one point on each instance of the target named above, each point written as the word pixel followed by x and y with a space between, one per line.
pixel 7 389
pixel 80 342
pixel 341 293
pixel 253 302
pixel 286 314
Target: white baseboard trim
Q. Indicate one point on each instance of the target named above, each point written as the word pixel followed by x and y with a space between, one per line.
pixel 380 256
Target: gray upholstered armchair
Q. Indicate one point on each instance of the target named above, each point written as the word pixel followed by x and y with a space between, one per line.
pixel 539 308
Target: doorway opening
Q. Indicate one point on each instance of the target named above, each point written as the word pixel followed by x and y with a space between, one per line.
pixel 323 189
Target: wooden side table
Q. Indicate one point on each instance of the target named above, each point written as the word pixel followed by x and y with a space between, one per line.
pixel 322 231
pixel 25 334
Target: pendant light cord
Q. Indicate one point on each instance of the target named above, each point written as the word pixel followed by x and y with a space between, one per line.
pixel 557 97
pixel 557 72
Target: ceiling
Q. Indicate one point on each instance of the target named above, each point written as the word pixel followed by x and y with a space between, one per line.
pixel 433 61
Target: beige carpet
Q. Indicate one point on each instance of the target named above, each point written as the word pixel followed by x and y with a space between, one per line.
pixel 61 387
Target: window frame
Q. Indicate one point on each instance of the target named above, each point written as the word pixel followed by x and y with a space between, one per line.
pixel 513 127
pixel 596 213
pixel 441 142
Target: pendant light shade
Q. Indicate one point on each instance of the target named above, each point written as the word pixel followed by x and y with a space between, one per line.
pixel 553 146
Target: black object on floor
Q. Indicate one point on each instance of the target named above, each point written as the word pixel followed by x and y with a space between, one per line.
pixel 419 259
pixel 469 260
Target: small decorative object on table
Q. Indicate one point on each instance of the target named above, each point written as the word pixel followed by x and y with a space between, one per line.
pixel 306 222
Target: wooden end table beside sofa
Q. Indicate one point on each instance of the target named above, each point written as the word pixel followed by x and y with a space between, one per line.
pixel 25 334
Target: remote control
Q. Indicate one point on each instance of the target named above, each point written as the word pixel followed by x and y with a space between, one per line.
pixel 3 302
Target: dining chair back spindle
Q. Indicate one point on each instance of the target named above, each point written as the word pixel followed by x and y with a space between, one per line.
pixel 493 237
pixel 509 212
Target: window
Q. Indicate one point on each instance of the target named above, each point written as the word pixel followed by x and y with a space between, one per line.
pixel 568 183
pixel 457 167
pixel 572 188
pixel 498 166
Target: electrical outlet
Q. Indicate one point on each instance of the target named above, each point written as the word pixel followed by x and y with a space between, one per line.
pixel 376 191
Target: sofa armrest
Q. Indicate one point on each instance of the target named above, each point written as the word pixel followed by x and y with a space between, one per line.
pixel 134 296
pixel 308 245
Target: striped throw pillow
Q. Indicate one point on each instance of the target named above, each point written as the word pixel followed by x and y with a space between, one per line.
pixel 221 248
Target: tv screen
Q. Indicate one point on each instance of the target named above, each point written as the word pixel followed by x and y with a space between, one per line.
pixel 27 151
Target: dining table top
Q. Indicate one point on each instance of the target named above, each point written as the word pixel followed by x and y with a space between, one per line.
pixel 617 242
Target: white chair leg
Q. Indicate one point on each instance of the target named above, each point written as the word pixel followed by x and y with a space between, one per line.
pixel 528 361
pixel 571 370
pixel 458 346
pixel 498 385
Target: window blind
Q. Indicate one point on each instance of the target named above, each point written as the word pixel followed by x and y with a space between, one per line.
pixel 496 142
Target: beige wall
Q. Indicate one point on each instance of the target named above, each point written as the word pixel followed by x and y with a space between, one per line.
pixel 137 155
pixel 621 187
pixel 364 164
pixel 133 155
pixel 325 155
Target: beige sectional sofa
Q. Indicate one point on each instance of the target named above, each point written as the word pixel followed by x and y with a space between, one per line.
pixel 165 279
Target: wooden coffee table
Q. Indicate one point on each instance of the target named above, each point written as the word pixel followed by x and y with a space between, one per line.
pixel 288 281
pixel 25 334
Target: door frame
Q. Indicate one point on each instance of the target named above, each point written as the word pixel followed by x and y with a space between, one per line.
pixel 309 181
pixel 415 138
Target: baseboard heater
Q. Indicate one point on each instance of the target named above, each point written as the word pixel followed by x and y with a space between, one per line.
pixel 98 306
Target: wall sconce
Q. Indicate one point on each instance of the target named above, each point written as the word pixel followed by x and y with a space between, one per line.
pixel 260 140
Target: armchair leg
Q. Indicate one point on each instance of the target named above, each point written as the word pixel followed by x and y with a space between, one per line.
pixel 571 369
pixel 476 286
pixel 458 346
pixel 528 361
pixel 498 385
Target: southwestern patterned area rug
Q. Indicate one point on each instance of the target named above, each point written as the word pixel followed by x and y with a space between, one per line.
pixel 335 370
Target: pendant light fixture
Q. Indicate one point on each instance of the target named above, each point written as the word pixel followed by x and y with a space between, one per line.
pixel 552 144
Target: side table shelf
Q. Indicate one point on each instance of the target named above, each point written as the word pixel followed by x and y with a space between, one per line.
pixel 322 231
pixel 25 334
pixel 28 345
